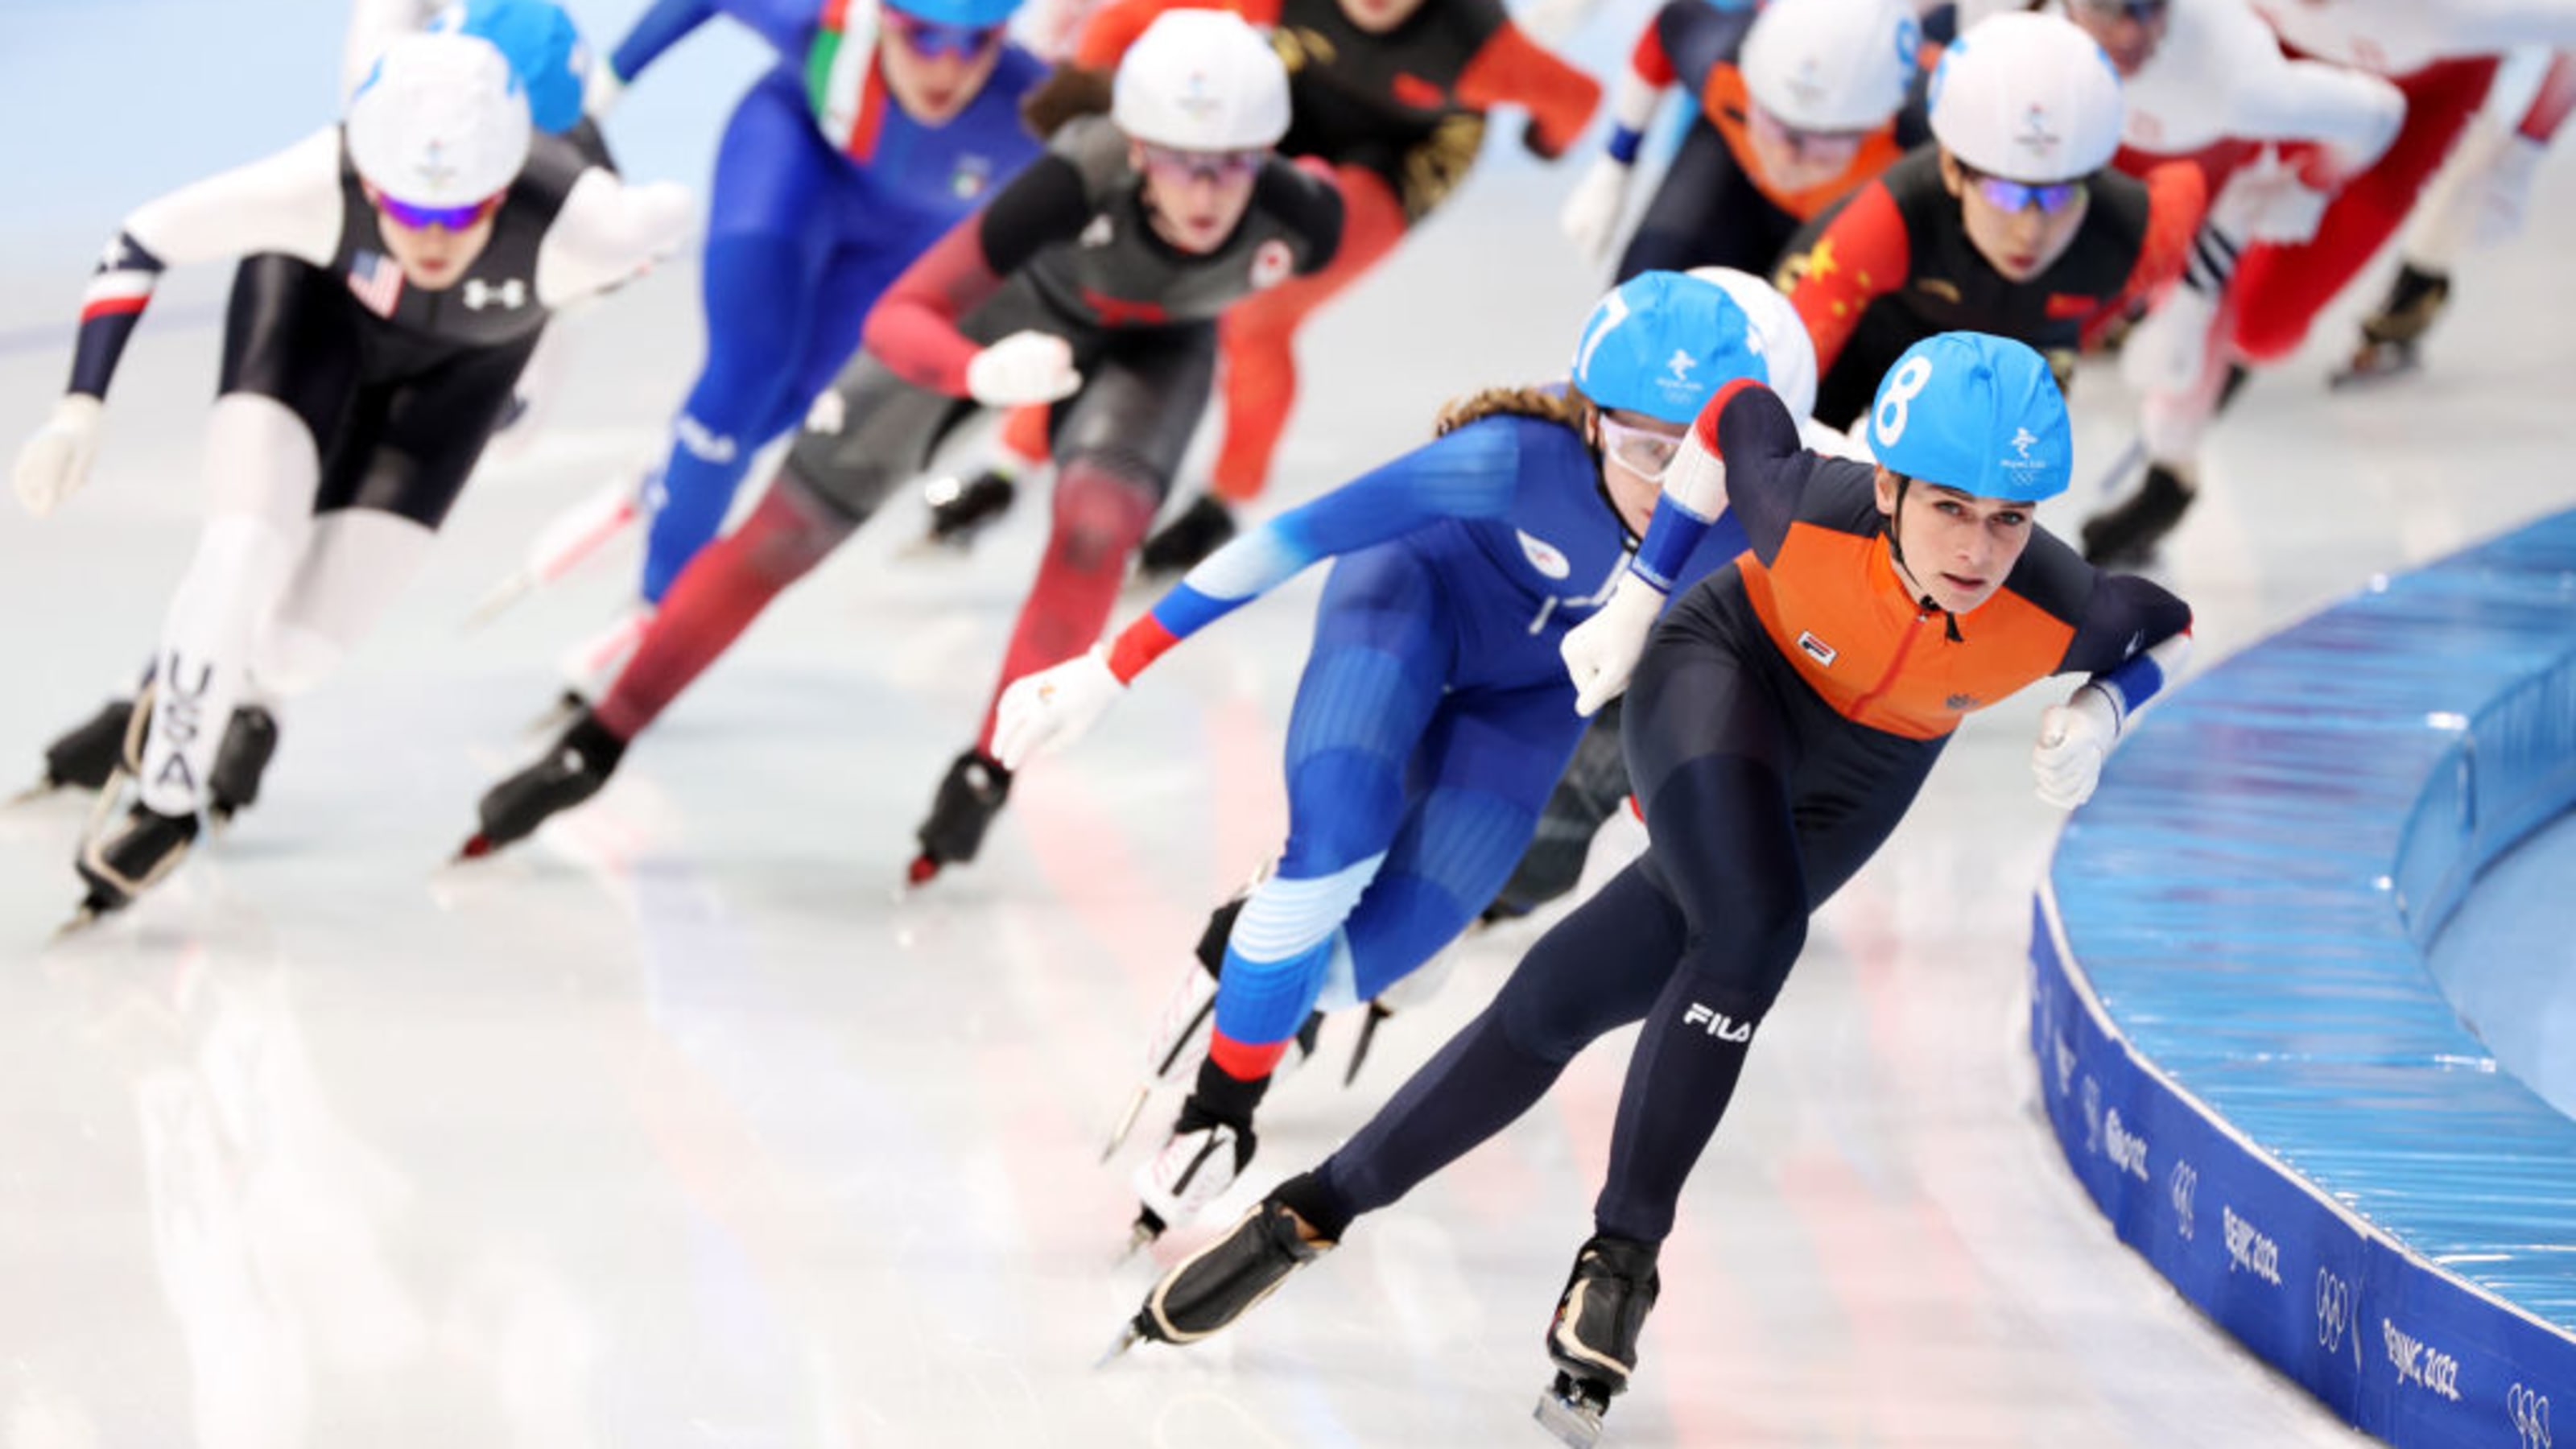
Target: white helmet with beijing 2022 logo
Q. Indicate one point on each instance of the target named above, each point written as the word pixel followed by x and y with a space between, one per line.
pixel 441 121
pixel 1832 65
pixel 2028 98
pixel 1201 80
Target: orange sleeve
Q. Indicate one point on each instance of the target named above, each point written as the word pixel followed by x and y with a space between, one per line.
pixel 1863 254
pixel 2177 199
pixel 1114 26
pixel 1513 69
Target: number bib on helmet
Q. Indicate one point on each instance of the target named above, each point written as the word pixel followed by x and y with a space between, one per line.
pixel 840 75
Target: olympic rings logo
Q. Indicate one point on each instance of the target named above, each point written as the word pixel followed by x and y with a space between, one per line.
pixel 2181 1186
pixel 2528 1408
pixel 2334 1311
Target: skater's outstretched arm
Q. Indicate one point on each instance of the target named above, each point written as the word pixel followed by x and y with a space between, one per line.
pixel 1512 69
pixel 1470 473
pixel 608 231
pixel 289 203
pixel 788 26
pixel 914 328
pixel 1862 253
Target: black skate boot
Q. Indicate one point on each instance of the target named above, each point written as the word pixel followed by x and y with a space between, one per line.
pixel 124 861
pixel 1176 547
pixel 87 755
pixel 961 509
pixel 2125 536
pixel 573 771
pixel 1188 1019
pixel 1221 1282
pixel 2392 336
pixel 1593 1338
pixel 969 797
pixel 250 742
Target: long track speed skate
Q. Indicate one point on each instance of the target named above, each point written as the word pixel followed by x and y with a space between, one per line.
pixel 1593 1338
pixel 1221 1282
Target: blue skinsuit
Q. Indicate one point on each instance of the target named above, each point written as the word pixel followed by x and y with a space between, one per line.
pixel 801 240
pixel 1434 715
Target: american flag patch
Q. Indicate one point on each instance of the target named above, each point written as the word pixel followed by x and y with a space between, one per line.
pixel 376 281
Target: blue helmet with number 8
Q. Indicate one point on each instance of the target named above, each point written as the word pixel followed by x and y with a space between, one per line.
pixel 1977 413
pixel 1663 343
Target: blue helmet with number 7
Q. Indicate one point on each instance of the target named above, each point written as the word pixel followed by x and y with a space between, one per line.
pixel 1977 413
pixel 1663 343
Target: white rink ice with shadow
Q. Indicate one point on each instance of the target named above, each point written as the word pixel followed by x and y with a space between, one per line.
pixel 677 1127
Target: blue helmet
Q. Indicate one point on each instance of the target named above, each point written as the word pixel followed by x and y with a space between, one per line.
pixel 967 14
pixel 1977 413
pixel 1663 343
pixel 544 48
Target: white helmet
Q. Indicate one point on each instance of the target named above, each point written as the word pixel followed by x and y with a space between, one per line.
pixel 2027 97
pixel 1832 65
pixel 440 121
pixel 1788 355
pixel 1202 80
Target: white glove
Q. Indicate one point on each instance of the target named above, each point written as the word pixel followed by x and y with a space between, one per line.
pixel 1046 711
pixel 1601 652
pixel 2266 201
pixel 1023 368
pixel 1590 217
pixel 2506 197
pixel 2073 738
pixel 601 90
pixel 55 462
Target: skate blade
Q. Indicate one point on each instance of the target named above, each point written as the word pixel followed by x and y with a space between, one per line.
pixel 1570 1415
pixel 1132 1334
pixel 1140 1236
pixel 41 790
pixel 82 919
pixel 497 601
pixel 1126 1123
pixel 1368 1036
pixel 551 720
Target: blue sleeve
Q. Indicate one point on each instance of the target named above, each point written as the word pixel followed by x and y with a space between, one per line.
pixel 788 26
pixel 1473 472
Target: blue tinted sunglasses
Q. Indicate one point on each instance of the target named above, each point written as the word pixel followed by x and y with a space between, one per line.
pixel 930 40
pixel 2015 196
pixel 445 218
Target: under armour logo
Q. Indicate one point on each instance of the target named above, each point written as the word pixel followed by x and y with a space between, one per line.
pixel 510 295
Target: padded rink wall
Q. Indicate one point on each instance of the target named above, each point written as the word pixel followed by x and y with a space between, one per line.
pixel 2240 1047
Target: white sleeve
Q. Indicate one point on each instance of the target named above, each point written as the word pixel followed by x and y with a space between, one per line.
pixel 2476 27
pixel 373 25
pixel 607 232
pixel 289 202
pixel 2270 97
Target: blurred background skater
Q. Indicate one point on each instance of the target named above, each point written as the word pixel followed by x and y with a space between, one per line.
pixel 1089 284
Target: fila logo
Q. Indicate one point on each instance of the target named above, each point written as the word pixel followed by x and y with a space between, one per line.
pixel 1717 1023
pixel 510 295
pixel 1818 650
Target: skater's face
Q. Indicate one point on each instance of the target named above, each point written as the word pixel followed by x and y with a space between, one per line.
pixel 434 249
pixel 1794 160
pixel 2127 30
pixel 1377 17
pixel 2020 230
pixel 1636 452
pixel 1196 198
pixel 935 70
pixel 1957 547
